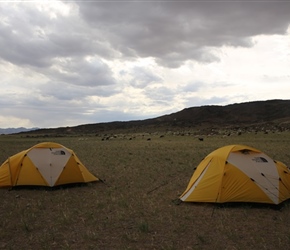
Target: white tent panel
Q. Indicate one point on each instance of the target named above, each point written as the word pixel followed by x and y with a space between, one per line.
pixel 50 162
pixel 261 169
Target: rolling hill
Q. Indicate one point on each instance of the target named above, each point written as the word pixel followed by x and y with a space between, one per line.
pixel 258 115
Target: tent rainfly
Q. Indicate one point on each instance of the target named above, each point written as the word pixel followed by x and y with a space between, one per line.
pixel 45 164
pixel 238 173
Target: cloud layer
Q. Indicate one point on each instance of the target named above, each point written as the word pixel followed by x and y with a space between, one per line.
pixel 67 63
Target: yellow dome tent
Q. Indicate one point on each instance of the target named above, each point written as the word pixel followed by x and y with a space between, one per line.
pixel 45 164
pixel 238 173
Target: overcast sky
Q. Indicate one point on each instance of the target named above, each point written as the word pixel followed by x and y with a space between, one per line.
pixel 66 63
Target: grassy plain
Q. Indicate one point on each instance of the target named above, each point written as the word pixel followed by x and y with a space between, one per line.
pixel 134 208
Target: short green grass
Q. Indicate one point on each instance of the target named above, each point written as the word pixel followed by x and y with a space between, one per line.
pixel 134 208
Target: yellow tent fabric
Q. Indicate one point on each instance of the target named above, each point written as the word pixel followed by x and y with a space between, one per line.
pixel 45 164
pixel 238 173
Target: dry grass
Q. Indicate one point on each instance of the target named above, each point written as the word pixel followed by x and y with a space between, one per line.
pixel 134 208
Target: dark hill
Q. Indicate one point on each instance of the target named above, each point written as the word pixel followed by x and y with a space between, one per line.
pixel 271 114
pixel 243 113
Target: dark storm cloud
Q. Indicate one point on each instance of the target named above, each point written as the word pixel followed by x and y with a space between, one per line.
pixel 169 31
pixel 57 48
pixel 176 31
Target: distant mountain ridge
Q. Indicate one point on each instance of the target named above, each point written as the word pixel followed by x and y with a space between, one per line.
pixel 15 130
pixel 271 113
